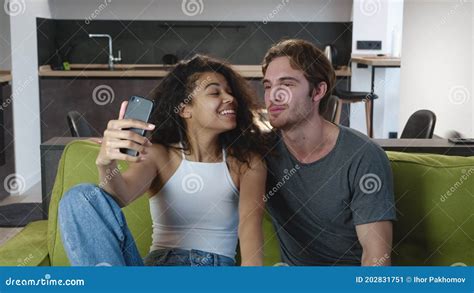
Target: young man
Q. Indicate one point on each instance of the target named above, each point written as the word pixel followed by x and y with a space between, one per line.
pixel 329 188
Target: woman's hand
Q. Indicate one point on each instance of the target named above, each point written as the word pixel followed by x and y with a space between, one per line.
pixel 115 138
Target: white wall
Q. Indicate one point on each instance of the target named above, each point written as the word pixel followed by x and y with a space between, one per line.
pixel 5 51
pixel 244 10
pixel 376 20
pixel 25 90
pixel 437 64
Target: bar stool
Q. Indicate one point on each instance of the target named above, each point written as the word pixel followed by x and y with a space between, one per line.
pixel 349 97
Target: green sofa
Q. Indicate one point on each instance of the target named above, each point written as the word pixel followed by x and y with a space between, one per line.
pixel 434 200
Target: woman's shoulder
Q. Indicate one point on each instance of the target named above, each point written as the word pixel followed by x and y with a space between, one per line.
pixel 254 162
pixel 163 153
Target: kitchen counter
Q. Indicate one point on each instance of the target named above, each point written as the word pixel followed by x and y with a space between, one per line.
pixel 145 70
pixel 5 76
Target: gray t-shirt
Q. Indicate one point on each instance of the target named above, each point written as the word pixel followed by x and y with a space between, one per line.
pixel 315 207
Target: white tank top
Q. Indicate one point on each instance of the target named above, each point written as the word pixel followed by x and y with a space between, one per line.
pixel 197 208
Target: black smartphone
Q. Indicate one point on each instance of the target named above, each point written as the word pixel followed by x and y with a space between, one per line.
pixel 461 140
pixel 138 108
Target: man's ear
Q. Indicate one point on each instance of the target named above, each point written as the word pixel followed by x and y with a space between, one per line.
pixel 185 111
pixel 319 91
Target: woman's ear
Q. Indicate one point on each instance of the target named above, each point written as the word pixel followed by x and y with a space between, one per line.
pixel 185 111
pixel 319 91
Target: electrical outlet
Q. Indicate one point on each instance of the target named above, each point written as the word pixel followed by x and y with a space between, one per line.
pixel 392 134
pixel 369 45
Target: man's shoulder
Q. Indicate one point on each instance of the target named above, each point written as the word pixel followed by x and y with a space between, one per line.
pixel 359 148
pixel 354 140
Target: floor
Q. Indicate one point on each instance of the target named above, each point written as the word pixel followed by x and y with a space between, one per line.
pixel 31 195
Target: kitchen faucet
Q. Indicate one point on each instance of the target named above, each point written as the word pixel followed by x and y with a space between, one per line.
pixel 112 59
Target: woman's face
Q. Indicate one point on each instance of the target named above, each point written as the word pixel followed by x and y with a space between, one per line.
pixel 211 105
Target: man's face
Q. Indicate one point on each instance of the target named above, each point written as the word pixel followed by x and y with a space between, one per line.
pixel 287 94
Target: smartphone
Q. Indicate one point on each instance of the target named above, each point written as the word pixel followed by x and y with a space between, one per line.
pixel 138 108
pixel 461 140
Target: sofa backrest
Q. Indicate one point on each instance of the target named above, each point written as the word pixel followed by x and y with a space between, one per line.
pixel 434 197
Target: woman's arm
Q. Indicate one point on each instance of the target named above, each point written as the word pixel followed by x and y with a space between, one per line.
pixel 251 208
pixel 127 186
pixel 142 170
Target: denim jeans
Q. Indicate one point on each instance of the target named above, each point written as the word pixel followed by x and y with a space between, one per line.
pixel 94 232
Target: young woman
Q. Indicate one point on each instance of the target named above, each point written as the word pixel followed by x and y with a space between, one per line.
pixel 202 167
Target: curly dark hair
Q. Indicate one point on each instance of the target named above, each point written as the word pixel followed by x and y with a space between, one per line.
pixel 177 88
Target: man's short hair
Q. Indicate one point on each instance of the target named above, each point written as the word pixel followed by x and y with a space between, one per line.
pixel 310 60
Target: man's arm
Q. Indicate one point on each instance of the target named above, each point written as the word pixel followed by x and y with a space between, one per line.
pixel 376 241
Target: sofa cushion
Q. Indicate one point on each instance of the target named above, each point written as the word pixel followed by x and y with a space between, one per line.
pixel 28 247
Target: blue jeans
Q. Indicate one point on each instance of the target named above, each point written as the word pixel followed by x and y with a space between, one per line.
pixel 94 232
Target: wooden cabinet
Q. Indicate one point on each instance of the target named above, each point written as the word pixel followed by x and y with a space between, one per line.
pixel 97 99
